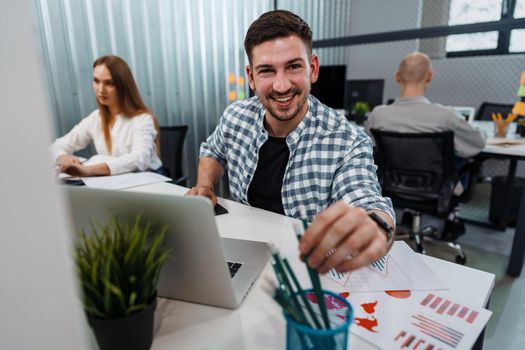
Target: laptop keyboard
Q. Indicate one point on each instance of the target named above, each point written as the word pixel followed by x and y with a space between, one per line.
pixel 234 267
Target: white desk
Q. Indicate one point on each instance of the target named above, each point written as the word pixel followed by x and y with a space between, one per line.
pixel 259 323
pixel 513 153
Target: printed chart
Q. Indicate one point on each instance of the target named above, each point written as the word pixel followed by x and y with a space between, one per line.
pixel 419 321
pixel 401 269
pixel 446 307
pixel 381 275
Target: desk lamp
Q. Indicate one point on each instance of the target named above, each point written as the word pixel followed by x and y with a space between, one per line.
pixel 519 107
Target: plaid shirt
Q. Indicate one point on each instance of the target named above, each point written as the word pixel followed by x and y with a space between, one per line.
pixel 330 159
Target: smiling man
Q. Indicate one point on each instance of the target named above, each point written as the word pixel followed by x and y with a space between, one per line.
pixel 286 152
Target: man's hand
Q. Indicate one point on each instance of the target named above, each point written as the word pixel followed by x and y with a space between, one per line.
pixel 344 238
pixel 203 191
pixel 210 171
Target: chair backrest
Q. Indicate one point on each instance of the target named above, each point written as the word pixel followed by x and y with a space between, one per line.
pixel 171 146
pixel 416 167
pixel 487 108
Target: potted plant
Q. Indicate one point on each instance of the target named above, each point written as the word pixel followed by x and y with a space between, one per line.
pixel 360 110
pixel 118 266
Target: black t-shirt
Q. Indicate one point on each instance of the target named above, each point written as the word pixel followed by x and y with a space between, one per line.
pixel 265 189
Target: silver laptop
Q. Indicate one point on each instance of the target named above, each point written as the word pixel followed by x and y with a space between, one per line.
pixel 203 267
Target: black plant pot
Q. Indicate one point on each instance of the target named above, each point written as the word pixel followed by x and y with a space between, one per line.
pixel 134 332
pixel 359 118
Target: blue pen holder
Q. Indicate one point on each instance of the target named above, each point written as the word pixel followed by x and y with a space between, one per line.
pixel 341 316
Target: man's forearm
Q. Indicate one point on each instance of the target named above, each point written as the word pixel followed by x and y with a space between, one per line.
pixel 210 171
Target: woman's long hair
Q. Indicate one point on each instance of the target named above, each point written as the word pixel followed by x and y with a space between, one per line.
pixel 130 102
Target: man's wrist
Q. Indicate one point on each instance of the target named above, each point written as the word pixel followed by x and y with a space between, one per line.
pixel 385 227
pixel 205 186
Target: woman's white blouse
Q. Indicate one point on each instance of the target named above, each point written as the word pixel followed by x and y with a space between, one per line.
pixel 132 139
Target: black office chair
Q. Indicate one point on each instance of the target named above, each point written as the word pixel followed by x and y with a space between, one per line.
pixel 171 146
pixel 493 167
pixel 487 108
pixel 417 171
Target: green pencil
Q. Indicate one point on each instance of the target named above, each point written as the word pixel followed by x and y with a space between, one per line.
pixel 314 276
pixel 302 294
pixel 287 286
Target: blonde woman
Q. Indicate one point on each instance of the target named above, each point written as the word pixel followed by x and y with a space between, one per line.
pixel 122 128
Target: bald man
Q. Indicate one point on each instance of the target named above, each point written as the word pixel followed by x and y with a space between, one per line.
pixel 412 112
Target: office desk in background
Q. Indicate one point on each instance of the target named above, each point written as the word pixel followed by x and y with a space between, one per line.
pixel 259 323
pixel 514 153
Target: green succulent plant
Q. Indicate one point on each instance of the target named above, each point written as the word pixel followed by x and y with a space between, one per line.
pixel 118 265
pixel 361 108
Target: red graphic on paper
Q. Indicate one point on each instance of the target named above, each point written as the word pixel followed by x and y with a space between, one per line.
pixel 336 306
pixel 472 316
pixel 369 322
pixel 369 308
pixel 400 294
pixel 407 340
pixel 450 308
pixel 331 302
pixel 344 294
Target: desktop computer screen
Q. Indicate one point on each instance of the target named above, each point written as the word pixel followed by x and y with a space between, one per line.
pixel 330 86
pixel 366 90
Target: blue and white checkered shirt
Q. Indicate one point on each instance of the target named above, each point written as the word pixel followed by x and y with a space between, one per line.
pixel 330 159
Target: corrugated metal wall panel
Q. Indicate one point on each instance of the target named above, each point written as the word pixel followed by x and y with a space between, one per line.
pixel 180 51
pixel 328 19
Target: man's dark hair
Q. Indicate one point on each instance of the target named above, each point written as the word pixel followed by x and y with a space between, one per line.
pixel 276 24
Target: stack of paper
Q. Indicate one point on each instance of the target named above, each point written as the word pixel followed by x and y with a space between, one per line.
pixel 115 182
pixel 400 303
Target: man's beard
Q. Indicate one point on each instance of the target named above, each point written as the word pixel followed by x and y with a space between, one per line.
pixel 288 114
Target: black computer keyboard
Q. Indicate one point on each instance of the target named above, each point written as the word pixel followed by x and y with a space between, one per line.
pixel 234 267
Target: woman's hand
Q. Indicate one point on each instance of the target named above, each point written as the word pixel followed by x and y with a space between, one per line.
pixel 65 161
pixel 87 170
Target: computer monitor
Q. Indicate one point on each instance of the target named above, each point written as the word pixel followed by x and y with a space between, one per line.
pixel 330 86
pixel 486 110
pixel 365 90
pixel 465 112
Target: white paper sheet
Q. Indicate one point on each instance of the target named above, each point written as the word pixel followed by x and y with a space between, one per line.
pixel 116 182
pixel 416 320
pixel 400 269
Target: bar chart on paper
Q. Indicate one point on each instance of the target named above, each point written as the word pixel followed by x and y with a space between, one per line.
pixel 400 269
pixel 381 275
pixel 446 307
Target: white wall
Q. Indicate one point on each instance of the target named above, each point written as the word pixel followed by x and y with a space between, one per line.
pixel 38 302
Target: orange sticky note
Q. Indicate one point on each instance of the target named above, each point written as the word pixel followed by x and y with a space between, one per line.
pixel 231 78
pixel 519 108
pixel 240 81
pixel 232 96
